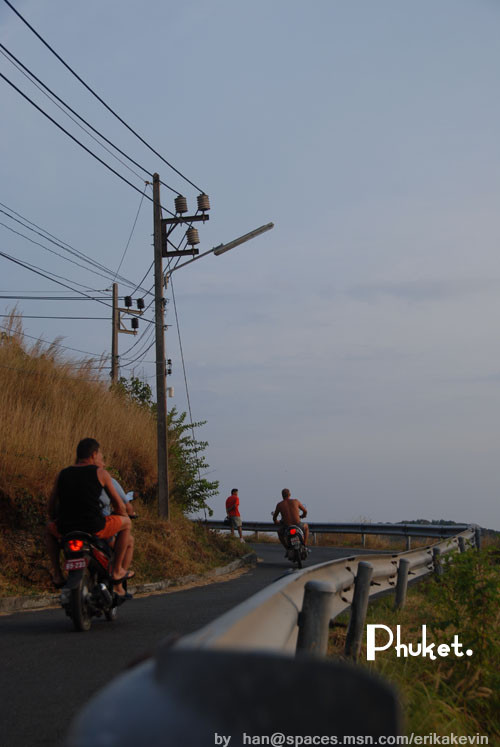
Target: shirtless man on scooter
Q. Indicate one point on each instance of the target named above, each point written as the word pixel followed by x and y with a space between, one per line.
pixel 289 509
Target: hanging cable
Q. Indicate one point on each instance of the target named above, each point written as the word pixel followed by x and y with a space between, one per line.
pixel 110 168
pixel 98 97
pixel 186 384
pixel 132 231
pixel 67 247
pixel 51 95
pixel 18 233
pixel 56 344
pixel 38 271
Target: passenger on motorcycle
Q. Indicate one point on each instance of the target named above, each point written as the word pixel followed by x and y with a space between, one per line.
pixel 289 509
pixel 74 505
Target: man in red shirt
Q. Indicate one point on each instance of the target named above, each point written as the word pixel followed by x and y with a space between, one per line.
pixel 233 513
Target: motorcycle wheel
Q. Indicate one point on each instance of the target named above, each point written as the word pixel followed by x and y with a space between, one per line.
pixel 79 611
pixel 111 614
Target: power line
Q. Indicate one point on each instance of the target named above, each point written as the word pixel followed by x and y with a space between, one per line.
pixel 116 173
pixel 90 152
pixel 38 271
pixel 67 247
pixel 131 232
pixel 106 277
pixel 99 98
pixel 141 355
pixel 57 344
pixel 51 95
pixel 28 316
pixel 55 298
pixel 147 334
pixel 139 339
pixel 143 279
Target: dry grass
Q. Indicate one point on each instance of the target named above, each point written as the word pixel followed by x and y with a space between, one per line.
pixel 163 550
pixel 449 694
pixel 372 541
pixel 46 406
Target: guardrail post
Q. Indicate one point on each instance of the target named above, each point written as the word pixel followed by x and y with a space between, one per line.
pixel 402 583
pixel 461 544
pixel 256 536
pixel 315 538
pixel 363 540
pixel 408 543
pixel 436 557
pixel 314 619
pixel 477 536
pixel 359 607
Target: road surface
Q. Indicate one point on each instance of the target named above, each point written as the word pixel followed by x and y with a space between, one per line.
pixel 48 671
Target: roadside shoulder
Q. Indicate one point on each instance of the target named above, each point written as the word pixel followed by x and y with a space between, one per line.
pixel 9 605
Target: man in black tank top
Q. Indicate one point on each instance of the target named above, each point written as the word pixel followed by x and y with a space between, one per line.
pixel 74 505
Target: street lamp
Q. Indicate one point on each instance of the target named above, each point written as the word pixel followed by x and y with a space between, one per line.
pixel 161 233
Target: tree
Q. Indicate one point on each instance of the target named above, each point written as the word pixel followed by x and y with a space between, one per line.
pixel 186 462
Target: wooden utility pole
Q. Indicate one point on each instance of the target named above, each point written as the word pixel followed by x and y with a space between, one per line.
pixel 114 338
pixel 161 393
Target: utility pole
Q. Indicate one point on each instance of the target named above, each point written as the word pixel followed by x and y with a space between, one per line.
pixel 117 326
pixel 114 338
pixel 163 227
pixel 161 393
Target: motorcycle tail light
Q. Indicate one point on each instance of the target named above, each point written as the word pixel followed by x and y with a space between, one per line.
pixel 293 531
pixel 75 545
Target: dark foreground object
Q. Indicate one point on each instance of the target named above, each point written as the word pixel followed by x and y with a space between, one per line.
pixel 196 697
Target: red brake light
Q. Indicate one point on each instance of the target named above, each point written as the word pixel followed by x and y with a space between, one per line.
pixel 293 531
pixel 75 545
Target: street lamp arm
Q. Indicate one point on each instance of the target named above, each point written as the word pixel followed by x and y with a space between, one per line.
pixel 226 247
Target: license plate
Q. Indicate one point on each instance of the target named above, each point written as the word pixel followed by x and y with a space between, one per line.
pixel 295 542
pixel 75 564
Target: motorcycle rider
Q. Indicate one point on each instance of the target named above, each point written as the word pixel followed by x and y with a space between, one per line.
pixel 289 509
pixel 74 505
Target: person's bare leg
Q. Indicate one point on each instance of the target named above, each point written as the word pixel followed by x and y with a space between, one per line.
pixel 53 551
pixel 281 537
pixel 122 542
pixel 127 558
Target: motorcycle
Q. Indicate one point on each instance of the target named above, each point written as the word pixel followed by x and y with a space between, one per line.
pixel 296 550
pixel 88 591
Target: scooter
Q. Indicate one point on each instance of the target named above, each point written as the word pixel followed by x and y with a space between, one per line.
pixel 296 550
pixel 88 591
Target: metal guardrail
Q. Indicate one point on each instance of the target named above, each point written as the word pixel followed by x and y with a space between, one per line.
pixel 391 530
pixel 244 657
pixel 269 619
pixel 400 529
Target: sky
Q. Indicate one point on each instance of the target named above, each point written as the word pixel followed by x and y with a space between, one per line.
pixel 350 354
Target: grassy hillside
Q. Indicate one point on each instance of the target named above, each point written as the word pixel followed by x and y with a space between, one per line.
pixel 47 404
pixel 447 695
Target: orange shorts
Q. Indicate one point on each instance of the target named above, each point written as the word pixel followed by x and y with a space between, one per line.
pixel 113 526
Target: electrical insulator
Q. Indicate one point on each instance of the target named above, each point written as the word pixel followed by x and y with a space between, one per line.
pixel 203 202
pixel 192 236
pixel 140 303
pixel 128 301
pixel 135 324
pixel 181 205
pixel 169 361
pixel 169 371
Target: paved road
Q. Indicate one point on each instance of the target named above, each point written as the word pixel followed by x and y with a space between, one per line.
pixel 48 671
